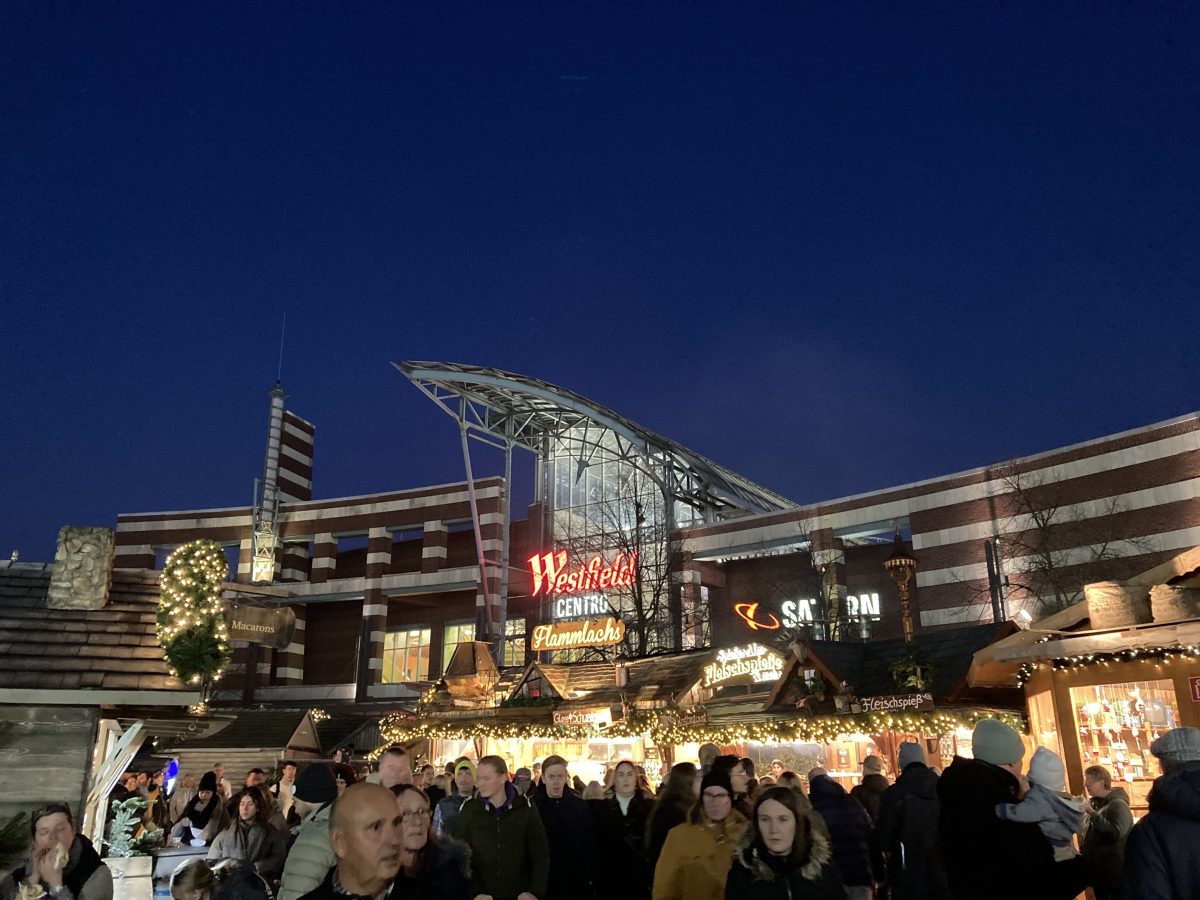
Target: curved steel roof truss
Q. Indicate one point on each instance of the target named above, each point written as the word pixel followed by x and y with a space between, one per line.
pixel 499 408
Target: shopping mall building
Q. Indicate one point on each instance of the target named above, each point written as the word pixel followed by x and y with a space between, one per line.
pixel 684 552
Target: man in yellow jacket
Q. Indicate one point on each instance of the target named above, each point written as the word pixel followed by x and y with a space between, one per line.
pixel 696 858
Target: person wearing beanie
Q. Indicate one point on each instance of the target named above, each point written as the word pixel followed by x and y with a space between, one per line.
pixel 1056 813
pixel 697 855
pixel 311 856
pixel 1161 858
pixel 908 830
pixel 204 816
pixel 988 857
pixel 850 830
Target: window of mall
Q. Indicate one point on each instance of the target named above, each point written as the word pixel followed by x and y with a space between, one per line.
pixel 406 654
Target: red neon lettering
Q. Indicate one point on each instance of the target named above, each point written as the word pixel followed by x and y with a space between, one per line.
pixel 550 575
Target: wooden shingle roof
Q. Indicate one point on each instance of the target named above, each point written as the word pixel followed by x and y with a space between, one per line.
pixel 114 648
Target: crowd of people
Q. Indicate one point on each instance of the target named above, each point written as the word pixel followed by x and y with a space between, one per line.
pixel 984 828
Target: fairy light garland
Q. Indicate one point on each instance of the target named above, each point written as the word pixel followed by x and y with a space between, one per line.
pixel 191 618
pixel 662 730
pixel 1083 660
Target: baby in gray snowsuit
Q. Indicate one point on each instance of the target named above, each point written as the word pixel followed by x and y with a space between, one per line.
pixel 1056 813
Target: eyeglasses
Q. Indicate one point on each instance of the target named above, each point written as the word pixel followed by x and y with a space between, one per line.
pixel 417 814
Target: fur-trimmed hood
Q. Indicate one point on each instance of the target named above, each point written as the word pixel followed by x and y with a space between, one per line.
pixel 820 855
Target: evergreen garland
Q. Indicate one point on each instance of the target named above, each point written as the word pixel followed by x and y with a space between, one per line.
pixel 191 618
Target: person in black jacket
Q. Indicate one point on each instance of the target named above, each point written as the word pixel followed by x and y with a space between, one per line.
pixel 986 857
pixel 624 871
pixel 908 830
pixel 569 831
pixel 680 792
pixel 782 856
pixel 431 868
pixel 1162 855
pixel 849 829
pixel 1107 820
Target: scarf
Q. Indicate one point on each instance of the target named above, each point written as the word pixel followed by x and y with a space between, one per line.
pixel 248 838
pixel 198 813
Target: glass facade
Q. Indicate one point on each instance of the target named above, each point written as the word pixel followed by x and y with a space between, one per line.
pixel 456 633
pixel 406 655
pixel 607 500
pixel 514 642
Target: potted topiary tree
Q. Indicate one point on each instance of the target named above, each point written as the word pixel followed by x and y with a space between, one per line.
pixel 128 846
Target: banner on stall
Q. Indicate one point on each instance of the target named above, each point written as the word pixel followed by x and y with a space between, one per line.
pixel 897 703
pixel 601 717
pixel 270 625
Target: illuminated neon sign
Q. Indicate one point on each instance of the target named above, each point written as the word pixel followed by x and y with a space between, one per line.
pixel 796 613
pixel 551 576
pixel 749 614
pixel 568 635
pixel 752 661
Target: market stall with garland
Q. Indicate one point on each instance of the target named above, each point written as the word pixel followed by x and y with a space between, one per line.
pixel 1108 675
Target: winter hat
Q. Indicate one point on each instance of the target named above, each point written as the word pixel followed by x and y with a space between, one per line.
pixel 208 782
pixel 872 765
pixel 910 752
pixel 996 743
pixel 465 764
pixel 717 778
pixel 1047 769
pixel 816 773
pixel 1177 746
pixel 315 784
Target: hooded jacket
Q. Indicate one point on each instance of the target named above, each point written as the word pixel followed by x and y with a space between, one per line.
pixel 1059 818
pixel 989 858
pixel 695 860
pixel 757 877
pixel 509 851
pixel 849 828
pixel 1162 855
pixel 908 834
pixel 571 835
pixel 1104 841
pixel 310 858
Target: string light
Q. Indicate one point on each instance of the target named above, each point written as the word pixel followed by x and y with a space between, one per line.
pixel 662 729
pixel 318 715
pixel 1083 660
pixel 191 618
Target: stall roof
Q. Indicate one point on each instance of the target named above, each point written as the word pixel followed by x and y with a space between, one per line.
pixel 83 656
pixel 263 728
pixel 867 667
pixel 1066 633
pixel 652 680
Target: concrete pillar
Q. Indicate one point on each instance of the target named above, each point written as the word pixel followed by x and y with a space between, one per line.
pixel 324 561
pixel 433 546
pixel 379 558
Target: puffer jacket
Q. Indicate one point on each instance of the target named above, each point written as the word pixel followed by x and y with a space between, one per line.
pixel 1059 817
pixel 849 828
pixel 1162 855
pixel 1104 841
pixel 695 860
pixel 757 876
pixel 311 857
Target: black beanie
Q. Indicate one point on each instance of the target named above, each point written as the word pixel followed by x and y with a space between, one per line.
pixel 208 782
pixel 717 778
pixel 315 784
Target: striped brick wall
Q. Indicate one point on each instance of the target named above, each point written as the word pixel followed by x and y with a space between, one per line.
pixel 379 558
pixel 1136 494
pixel 296 459
pixel 433 546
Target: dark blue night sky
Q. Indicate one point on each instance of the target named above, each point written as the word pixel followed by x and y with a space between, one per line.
pixel 834 247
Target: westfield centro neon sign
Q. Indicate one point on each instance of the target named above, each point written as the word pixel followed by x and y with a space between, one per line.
pixel 552 575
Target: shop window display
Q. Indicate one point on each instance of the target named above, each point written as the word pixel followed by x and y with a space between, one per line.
pixel 1044 723
pixel 1117 723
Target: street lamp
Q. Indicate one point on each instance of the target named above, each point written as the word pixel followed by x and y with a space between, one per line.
pixel 901 565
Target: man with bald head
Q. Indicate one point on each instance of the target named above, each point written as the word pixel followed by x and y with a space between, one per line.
pixel 364 832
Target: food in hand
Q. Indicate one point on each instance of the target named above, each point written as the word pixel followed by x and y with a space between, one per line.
pixel 60 856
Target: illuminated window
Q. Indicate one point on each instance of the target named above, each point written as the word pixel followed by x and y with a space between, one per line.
pixel 456 633
pixel 1117 723
pixel 514 642
pixel 1044 723
pixel 406 655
